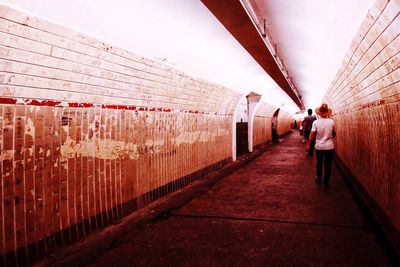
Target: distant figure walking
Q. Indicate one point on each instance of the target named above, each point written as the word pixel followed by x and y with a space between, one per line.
pixel 308 121
pixel 323 131
pixel 275 136
pixel 302 131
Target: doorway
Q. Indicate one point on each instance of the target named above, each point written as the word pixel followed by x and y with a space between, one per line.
pixel 274 127
pixel 242 139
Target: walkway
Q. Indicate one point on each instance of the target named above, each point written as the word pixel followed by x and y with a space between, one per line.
pixel 269 213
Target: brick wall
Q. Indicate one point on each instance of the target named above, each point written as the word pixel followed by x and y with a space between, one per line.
pixel 91 132
pixel 365 96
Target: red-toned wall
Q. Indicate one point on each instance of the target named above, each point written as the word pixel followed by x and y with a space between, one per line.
pixel 284 122
pixel 91 132
pixel 365 96
pixel 262 129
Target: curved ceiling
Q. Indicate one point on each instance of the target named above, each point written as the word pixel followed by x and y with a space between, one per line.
pixel 182 33
pixel 311 36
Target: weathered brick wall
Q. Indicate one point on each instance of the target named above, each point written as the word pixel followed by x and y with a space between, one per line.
pixel 90 132
pixel 365 98
pixel 262 131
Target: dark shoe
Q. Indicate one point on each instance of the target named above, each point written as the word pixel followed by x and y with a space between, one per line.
pixel 318 181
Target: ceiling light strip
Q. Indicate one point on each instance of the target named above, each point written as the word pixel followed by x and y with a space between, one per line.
pixel 263 34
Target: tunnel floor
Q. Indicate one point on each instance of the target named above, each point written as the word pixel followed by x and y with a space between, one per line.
pixel 268 213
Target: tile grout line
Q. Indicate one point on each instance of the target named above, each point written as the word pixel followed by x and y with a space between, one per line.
pixel 203 216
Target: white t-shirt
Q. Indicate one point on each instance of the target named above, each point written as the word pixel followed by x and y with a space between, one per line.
pixel 324 129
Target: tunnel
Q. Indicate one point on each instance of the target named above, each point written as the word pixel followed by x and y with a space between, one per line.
pixel 170 133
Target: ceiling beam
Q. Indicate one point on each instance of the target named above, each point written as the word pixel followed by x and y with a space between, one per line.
pixel 234 17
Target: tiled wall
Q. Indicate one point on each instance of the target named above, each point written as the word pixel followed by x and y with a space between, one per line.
pixel 284 122
pixel 365 96
pixel 90 132
pixel 262 130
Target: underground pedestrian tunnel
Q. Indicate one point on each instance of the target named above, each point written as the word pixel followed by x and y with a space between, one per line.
pixel 166 133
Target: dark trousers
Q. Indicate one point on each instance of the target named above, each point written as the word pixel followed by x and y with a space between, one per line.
pixel 324 158
pixel 307 134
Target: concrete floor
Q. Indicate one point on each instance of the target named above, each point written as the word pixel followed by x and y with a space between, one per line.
pixel 268 213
